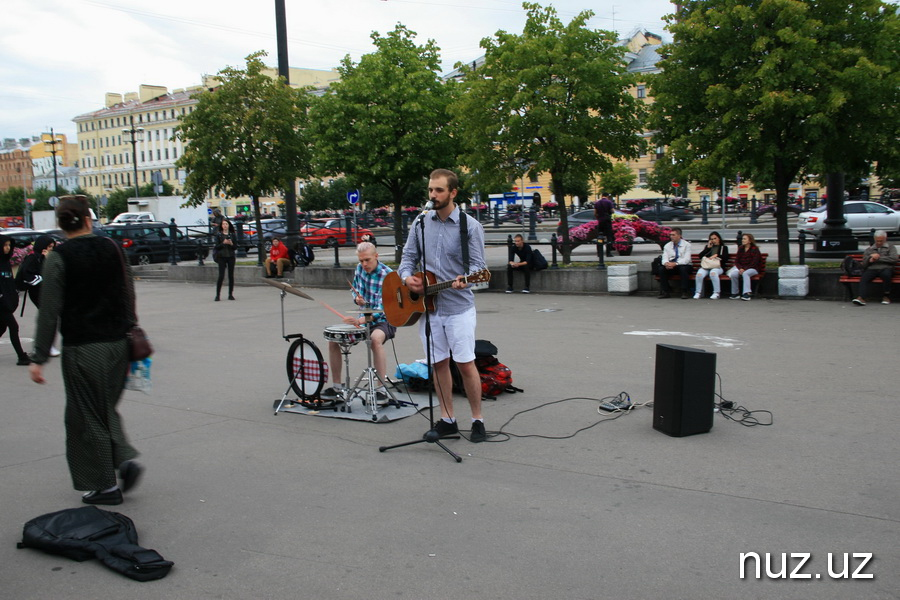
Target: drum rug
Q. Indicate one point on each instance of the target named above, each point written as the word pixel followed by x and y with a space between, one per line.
pixel 410 404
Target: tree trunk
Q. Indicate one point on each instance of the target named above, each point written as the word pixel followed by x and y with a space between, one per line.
pixel 397 194
pixel 783 178
pixel 260 242
pixel 560 197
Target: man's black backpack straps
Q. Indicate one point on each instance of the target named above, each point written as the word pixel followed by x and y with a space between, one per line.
pixel 464 239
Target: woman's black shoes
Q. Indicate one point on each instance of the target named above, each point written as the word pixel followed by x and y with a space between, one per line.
pixel 107 498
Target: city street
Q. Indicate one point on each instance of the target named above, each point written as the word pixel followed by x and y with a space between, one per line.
pixel 254 505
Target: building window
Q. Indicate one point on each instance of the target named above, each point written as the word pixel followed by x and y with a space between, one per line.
pixel 142 156
pixel 166 153
pixel 157 154
pixel 642 91
pixel 174 152
pixel 642 175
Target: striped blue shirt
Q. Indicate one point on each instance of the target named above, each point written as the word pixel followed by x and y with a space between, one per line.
pixel 369 287
pixel 443 255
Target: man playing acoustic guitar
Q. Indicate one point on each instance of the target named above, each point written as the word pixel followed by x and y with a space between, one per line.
pixel 453 320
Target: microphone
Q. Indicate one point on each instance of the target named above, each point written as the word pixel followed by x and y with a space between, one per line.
pixel 429 205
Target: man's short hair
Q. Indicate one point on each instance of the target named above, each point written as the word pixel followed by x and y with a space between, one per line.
pixel 518 236
pixel 452 179
pixel 676 230
pixel 366 247
pixel 880 233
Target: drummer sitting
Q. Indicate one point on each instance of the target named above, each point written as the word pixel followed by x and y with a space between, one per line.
pixel 366 289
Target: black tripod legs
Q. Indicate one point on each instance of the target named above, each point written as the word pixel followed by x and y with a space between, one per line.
pixel 431 437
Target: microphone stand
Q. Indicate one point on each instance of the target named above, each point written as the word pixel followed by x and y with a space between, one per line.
pixel 431 436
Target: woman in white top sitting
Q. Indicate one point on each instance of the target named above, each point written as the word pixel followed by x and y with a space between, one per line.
pixel 712 262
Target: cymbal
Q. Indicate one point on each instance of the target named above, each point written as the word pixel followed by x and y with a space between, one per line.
pixel 286 287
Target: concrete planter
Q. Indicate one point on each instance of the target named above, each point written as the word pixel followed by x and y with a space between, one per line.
pixel 793 281
pixel 622 279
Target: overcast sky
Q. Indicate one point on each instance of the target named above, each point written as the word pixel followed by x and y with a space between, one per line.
pixel 58 58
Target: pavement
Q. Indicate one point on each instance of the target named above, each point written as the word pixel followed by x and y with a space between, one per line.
pixel 252 505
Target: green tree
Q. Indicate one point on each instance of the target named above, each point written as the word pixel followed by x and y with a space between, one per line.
pixel 555 96
pixel 780 89
pixel 245 137
pixel 573 184
pixel 12 202
pixel 385 122
pixel 665 172
pixel 618 180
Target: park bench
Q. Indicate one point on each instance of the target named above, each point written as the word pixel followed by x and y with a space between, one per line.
pixel 849 280
pixel 695 265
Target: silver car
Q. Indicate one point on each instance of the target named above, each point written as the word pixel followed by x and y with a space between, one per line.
pixel 862 217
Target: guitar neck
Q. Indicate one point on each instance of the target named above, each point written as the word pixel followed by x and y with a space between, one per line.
pixel 434 288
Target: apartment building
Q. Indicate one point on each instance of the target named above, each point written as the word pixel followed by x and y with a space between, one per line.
pixel 107 157
pixel 15 163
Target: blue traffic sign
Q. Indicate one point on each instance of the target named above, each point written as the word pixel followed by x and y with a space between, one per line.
pixel 353 196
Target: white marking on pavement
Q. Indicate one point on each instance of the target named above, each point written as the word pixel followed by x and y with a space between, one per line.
pixel 716 340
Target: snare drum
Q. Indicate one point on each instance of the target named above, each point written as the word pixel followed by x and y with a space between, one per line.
pixel 345 335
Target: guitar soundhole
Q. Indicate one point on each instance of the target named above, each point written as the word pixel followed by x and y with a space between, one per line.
pixel 414 296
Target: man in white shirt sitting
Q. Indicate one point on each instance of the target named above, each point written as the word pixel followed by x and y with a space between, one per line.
pixel 676 260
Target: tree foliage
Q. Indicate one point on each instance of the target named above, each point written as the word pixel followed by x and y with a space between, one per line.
pixel 555 96
pixel 618 180
pixel 245 137
pixel 664 173
pixel 385 122
pixel 780 89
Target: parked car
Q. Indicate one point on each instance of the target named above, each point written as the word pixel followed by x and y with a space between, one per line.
pixel 271 228
pixel 580 218
pixel 666 212
pixel 133 217
pixel 862 216
pixel 22 238
pixel 333 233
pixel 146 243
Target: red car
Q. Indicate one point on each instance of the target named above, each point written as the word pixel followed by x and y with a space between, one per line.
pixel 333 233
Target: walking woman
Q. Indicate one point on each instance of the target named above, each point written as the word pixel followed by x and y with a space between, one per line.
pixel 88 291
pixel 747 263
pixel 713 258
pixel 225 256
pixel 9 300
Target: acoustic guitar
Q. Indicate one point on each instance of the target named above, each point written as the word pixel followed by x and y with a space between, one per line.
pixel 403 307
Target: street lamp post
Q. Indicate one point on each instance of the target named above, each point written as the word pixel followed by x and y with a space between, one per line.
pixel 53 142
pixel 133 136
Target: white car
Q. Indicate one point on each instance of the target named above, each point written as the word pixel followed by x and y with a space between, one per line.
pixel 134 217
pixel 862 216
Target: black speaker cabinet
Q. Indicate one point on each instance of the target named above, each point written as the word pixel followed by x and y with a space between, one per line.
pixel 684 389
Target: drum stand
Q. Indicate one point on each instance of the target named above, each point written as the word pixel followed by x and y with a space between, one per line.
pixel 346 395
pixel 368 377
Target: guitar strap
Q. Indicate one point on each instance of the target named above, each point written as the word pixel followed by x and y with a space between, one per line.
pixel 464 239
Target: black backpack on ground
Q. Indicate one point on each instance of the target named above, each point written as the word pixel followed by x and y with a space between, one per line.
pixel 496 377
pixel 88 532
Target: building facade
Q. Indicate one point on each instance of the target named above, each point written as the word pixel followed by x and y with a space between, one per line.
pixel 107 157
pixel 15 164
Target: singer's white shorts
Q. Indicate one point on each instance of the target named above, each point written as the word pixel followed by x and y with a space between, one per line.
pixel 450 333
